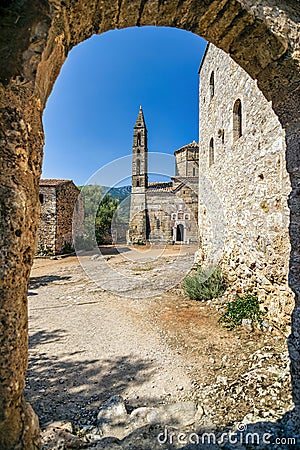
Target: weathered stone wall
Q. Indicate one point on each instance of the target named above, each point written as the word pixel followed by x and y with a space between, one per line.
pixel 248 175
pixel 66 198
pixel 187 160
pixel 47 222
pixel 167 209
pixel 59 200
pixel 187 190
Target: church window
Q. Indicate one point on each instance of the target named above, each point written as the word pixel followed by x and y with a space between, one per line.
pixel 211 152
pixel 158 224
pixel 138 139
pixel 138 167
pixel 137 183
pixel 237 120
pixel 173 216
pixel 187 216
pixel 212 85
pixel 138 151
pixel 194 171
pixel 41 197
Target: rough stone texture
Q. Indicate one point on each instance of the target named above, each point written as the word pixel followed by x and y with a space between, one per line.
pixel 35 38
pixel 163 212
pixel 58 199
pixel 249 178
pixel 173 207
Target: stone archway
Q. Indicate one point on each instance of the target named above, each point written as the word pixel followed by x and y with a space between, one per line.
pixel 35 38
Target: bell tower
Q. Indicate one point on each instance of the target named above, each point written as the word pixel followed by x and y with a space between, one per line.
pixel 138 208
pixel 139 154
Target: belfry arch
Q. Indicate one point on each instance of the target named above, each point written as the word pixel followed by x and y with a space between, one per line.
pixel 35 38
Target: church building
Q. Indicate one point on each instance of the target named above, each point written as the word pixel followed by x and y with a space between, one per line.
pixel 163 212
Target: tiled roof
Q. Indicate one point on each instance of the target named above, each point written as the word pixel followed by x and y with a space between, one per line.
pixel 53 182
pixel 165 186
pixel 193 145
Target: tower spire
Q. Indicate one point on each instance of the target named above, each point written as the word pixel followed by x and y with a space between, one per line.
pixel 140 121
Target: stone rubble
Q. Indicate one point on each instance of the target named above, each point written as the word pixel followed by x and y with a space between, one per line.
pixel 149 428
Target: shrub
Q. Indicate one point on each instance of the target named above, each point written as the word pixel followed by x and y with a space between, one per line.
pixel 246 307
pixel 68 248
pixel 201 286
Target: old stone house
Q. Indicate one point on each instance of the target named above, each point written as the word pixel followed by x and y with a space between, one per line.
pixel 58 199
pixel 163 212
pixel 243 184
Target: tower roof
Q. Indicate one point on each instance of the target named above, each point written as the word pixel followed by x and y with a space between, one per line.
pixel 140 121
pixel 193 145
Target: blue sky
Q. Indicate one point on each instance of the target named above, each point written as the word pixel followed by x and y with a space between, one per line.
pixel 91 112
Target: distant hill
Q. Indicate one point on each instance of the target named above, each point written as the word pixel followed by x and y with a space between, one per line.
pixel 118 192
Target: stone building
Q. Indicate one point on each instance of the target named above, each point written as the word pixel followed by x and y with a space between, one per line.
pixel 58 198
pixel 164 211
pixel 243 184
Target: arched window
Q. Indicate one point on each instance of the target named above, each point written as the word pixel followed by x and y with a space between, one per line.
pixel 237 120
pixel 41 197
pixel 137 183
pixel 138 167
pixel 211 152
pixel 138 139
pixel 212 85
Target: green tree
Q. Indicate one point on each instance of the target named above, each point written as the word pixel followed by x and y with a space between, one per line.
pixel 98 214
pixel 104 218
pixel 92 195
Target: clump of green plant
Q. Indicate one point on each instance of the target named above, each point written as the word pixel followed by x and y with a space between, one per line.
pixel 204 285
pixel 264 206
pixel 68 248
pixel 246 307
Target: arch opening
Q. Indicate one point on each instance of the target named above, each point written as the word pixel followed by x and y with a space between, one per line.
pixel 211 154
pixel 237 120
pixel 26 84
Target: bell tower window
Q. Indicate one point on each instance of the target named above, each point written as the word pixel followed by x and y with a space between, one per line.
pixel 138 167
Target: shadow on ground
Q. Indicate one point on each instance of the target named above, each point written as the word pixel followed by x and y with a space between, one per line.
pixel 260 435
pixel 69 387
pixel 37 282
pixel 114 250
pixel 73 388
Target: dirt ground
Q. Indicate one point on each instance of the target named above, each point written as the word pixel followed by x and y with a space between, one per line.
pixel 87 344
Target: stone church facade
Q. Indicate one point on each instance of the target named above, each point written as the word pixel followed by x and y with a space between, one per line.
pixel 58 199
pixel 163 212
pixel 242 159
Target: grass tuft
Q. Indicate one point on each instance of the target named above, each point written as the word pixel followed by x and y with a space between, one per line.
pixel 203 285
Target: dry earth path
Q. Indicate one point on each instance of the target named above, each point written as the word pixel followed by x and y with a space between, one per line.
pixel 87 344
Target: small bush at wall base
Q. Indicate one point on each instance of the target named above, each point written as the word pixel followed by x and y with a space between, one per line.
pixel 246 307
pixel 68 248
pixel 203 285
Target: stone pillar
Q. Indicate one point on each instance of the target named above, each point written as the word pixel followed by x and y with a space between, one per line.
pixel 293 166
pixel 20 157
